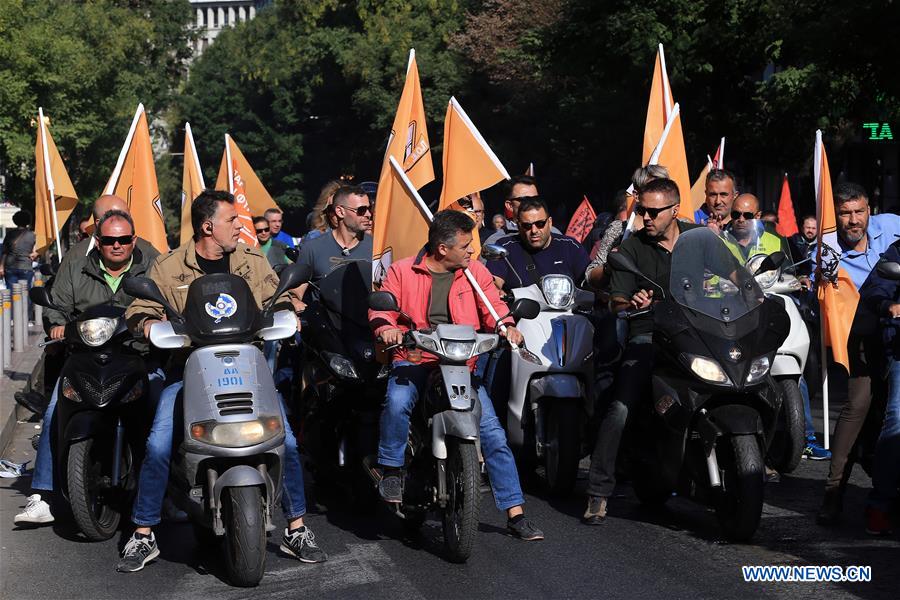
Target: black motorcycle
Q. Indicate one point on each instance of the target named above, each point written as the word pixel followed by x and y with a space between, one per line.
pixel 101 416
pixel 706 428
pixel 343 385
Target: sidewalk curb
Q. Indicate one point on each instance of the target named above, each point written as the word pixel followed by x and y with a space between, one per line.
pixel 14 379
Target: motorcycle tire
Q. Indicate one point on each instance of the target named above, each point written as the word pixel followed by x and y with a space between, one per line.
pixel 562 454
pixel 790 436
pixel 98 521
pixel 460 517
pixel 245 535
pixel 739 505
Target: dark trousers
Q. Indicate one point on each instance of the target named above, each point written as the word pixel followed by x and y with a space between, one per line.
pixel 632 384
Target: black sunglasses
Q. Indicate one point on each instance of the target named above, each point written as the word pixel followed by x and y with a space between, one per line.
pixel 736 214
pixel 111 240
pixel 359 210
pixel 539 224
pixel 520 198
pixel 652 212
pixel 263 230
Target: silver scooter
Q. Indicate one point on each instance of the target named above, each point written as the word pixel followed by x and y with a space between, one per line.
pixel 552 378
pixel 227 472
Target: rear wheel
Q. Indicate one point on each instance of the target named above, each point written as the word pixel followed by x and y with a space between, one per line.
pixel 460 517
pixel 245 535
pixel 97 519
pixel 563 449
pixel 739 505
pixel 789 438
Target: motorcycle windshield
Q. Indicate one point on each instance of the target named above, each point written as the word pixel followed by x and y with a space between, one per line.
pixel 708 278
pixel 345 293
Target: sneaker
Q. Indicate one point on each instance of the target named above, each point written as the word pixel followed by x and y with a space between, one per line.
pixel 595 514
pixel 391 487
pixel 301 544
pixel 139 550
pixel 814 451
pixel 772 476
pixel 36 512
pixel 11 470
pixel 524 530
pixel 33 401
pixel 878 522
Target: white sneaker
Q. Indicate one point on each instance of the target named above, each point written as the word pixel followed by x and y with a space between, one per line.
pixel 36 511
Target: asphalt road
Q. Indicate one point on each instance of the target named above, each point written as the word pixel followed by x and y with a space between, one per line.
pixel 673 553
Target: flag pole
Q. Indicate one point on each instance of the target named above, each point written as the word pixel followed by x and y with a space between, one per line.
pixel 429 217
pixel 48 178
pixel 228 165
pixel 817 173
pixel 826 433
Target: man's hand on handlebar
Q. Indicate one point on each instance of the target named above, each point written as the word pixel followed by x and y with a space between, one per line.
pixel 392 337
pixel 147 325
pixel 57 332
pixel 642 299
pixel 894 311
pixel 513 335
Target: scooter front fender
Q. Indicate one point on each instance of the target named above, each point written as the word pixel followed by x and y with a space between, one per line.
pixel 556 385
pixel 737 419
pixel 460 424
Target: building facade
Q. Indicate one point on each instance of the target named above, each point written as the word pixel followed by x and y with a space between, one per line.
pixel 212 16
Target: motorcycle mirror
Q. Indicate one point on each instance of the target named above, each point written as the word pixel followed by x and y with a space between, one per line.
pixel 383 301
pixel 886 268
pixel 41 296
pixel 493 252
pixel 525 308
pixel 292 253
pixel 771 262
pixel 146 289
pixel 289 278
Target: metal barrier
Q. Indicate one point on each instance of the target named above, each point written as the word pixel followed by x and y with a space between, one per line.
pixel 20 315
pixel 6 325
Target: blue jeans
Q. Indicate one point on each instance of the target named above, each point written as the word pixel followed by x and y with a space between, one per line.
pixel 42 478
pixel 405 385
pixel 16 275
pixel 807 411
pixel 155 469
pixel 886 470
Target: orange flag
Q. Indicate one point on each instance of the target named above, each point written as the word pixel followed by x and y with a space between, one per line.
pixel 191 183
pixel 404 219
pixel 659 108
pixel 469 163
pixel 54 196
pixel 787 220
pixel 134 180
pixel 670 154
pixel 258 198
pixel 582 221
pixel 398 224
pixel 838 303
pixel 233 180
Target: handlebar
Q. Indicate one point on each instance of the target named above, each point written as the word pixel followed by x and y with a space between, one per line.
pixel 48 341
pixel 637 312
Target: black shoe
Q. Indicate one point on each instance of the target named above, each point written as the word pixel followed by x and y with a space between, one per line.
pixel 138 552
pixel 301 544
pixel 595 514
pixel 391 486
pixel 33 401
pixel 524 530
pixel 832 506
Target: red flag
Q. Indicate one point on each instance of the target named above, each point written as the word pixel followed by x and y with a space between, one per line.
pixel 582 221
pixel 787 220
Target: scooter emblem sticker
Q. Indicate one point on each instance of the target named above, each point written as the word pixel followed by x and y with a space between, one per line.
pixel 224 307
pixel 735 354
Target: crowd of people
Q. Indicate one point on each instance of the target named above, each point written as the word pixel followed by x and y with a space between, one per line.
pixel 431 289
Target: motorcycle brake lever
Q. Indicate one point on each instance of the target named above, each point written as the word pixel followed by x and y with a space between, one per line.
pixel 48 342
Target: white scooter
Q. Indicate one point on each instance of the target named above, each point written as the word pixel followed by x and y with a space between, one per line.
pixel 552 378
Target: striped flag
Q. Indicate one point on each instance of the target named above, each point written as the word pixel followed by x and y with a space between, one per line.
pixel 659 108
pixel 233 173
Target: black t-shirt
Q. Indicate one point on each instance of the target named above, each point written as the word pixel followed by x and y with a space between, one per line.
pixel 219 265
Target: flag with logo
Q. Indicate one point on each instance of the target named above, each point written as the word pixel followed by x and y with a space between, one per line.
pixel 399 229
pixel 839 297
pixel 698 190
pixel 670 154
pixel 134 180
pixel 787 219
pixel 659 108
pixel 233 174
pixel 258 199
pixel 582 221
pixel 191 183
pixel 54 195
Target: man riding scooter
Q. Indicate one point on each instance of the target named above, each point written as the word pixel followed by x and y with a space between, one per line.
pixel 96 280
pixel 431 288
pixel 213 249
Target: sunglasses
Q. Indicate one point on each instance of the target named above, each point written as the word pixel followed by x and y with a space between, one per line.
pixel 539 224
pixel 266 230
pixel 520 198
pixel 652 212
pixel 111 240
pixel 359 210
pixel 736 214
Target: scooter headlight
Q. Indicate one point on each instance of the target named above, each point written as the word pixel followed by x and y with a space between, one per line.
pixel 759 368
pixel 96 332
pixel 559 290
pixel 237 435
pixel 458 350
pixel 135 392
pixel 707 369
pixel 342 366
pixel 529 356
pixel 68 390
pixel 486 345
pixel 766 279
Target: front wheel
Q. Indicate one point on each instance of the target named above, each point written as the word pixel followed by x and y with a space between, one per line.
pixel 245 535
pixel 460 517
pixel 563 448
pixel 97 519
pixel 739 505
pixel 789 439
